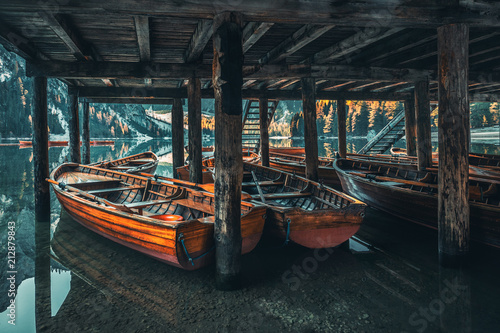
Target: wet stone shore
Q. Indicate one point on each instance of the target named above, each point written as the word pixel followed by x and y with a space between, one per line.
pixel 386 280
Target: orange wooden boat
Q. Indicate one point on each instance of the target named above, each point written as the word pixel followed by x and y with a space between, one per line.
pixel 296 164
pixel 208 177
pixel 288 150
pixel 65 143
pixel 300 210
pixel 130 210
pixel 143 162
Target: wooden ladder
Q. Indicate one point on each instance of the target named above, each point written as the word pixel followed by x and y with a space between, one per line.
pixel 251 122
pixel 387 137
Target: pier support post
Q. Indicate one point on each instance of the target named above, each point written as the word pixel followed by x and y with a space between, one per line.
pixel 74 127
pixel 42 200
pixel 177 136
pixel 40 151
pixel 341 128
pixel 194 131
pixel 85 132
pixel 454 136
pixel 410 127
pixel 264 131
pixel 310 130
pixel 423 117
pixel 227 81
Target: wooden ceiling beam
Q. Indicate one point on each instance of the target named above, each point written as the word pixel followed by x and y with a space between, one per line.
pixel 133 70
pixel 105 100
pixel 199 40
pixel 252 32
pixel 369 13
pixel 17 43
pixel 143 38
pixel 61 26
pixel 300 38
pixel 352 44
pixel 166 93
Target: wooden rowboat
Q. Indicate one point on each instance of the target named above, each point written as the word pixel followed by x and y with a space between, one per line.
pixel 295 164
pixel 412 195
pixel 208 177
pixel 300 210
pixel 143 162
pixel 288 150
pixel 65 143
pixel 137 212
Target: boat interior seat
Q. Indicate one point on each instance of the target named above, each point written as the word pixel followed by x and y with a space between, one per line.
pixel 116 189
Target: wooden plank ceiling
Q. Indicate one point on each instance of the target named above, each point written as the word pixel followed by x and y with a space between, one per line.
pixel 347 53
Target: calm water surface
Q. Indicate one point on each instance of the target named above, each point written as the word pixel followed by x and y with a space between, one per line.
pixel 384 283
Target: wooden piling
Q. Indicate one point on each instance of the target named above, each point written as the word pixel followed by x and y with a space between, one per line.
pixel 227 80
pixel 454 136
pixel 194 130
pixel 177 135
pixel 264 131
pixel 74 128
pixel 341 128
pixel 423 117
pixel 410 127
pixel 40 150
pixel 310 130
pixel 85 133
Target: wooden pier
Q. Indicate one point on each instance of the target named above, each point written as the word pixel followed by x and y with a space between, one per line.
pixel 154 51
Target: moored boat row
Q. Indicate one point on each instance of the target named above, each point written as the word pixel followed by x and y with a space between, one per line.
pixel 171 223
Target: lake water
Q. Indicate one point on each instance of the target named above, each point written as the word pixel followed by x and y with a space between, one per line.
pixel 96 285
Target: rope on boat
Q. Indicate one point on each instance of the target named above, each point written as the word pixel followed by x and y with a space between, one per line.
pixel 191 260
pixel 287 239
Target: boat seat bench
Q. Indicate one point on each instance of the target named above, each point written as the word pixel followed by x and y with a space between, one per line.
pixel 116 189
pixel 285 195
pixel 140 205
pixel 262 183
pixel 194 205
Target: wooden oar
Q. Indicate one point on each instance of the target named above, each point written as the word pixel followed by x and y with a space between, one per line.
pixel 256 181
pixel 89 196
pixel 173 180
pixel 390 179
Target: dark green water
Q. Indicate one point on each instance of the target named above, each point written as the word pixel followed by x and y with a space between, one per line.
pixel 101 286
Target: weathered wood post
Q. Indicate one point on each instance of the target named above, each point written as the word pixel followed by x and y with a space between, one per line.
pixel 310 130
pixel 177 136
pixel 194 130
pixel 227 81
pixel 40 150
pixel 85 132
pixel 74 127
pixel 42 199
pixel 454 135
pixel 423 117
pixel 410 127
pixel 264 131
pixel 341 128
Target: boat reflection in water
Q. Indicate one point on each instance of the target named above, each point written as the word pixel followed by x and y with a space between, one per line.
pixel 117 272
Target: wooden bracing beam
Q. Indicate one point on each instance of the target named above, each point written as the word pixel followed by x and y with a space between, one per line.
pixel 142 32
pixel 295 42
pixel 198 41
pixel 252 32
pixel 352 44
pixel 15 42
pixel 61 26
